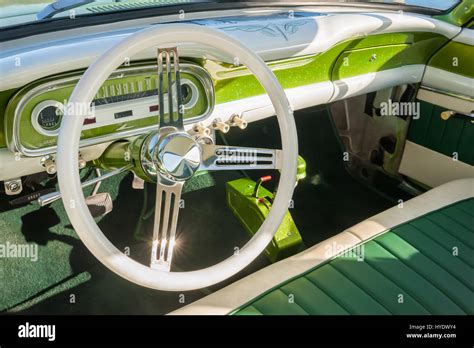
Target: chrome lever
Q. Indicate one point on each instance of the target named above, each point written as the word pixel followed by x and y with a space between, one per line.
pixel 173 79
pixel 54 196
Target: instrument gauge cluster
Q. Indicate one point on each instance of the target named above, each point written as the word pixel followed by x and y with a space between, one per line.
pixel 125 105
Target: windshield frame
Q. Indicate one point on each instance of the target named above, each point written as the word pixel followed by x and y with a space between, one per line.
pixel 27 29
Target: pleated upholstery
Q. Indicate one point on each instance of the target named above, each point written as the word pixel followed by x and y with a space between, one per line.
pixel 424 266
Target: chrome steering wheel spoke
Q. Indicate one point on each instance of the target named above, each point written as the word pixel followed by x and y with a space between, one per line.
pixel 168 196
pixel 168 65
pixel 219 157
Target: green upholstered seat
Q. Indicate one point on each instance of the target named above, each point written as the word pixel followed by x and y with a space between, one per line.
pixel 423 266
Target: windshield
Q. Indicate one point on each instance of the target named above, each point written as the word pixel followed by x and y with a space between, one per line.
pixel 14 12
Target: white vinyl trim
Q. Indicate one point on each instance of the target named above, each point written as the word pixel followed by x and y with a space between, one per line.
pixel 12 166
pixel 449 82
pixel 430 167
pixel 310 34
pixel 361 84
pixel 466 36
pixel 449 102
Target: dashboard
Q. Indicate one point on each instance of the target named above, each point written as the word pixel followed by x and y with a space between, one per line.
pixel 125 105
pixel 315 56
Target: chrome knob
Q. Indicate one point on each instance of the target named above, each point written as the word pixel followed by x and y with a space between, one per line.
pixel 446 115
pixel 222 126
pixel 201 130
pixel 82 163
pixel 49 164
pixel 238 121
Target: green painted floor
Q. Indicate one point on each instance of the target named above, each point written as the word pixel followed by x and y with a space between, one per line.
pixel 67 279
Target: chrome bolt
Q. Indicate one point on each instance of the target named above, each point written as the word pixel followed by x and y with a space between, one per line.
pixel 13 186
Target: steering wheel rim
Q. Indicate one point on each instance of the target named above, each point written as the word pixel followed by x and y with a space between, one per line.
pixel 68 169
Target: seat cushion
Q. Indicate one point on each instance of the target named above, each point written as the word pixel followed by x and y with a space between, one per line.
pixel 424 266
pixel 415 258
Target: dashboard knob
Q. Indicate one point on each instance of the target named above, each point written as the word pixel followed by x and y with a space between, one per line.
pixel 446 115
pixel 49 164
pixel 202 130
pixel 82 163
pixel 238 121
pixel 222 126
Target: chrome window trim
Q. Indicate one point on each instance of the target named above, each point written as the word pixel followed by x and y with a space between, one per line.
pixel 16 146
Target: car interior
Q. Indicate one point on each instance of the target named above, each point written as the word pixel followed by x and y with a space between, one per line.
pixel 236 158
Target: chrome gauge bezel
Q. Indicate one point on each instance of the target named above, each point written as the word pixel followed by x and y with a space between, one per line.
pixel 36 113
pixel 195 70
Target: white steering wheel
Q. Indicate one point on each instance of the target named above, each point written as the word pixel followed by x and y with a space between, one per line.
pixel 169 141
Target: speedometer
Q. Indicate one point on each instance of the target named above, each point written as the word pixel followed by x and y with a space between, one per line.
pixel 46 117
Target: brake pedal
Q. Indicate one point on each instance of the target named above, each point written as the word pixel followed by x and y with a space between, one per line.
pixel 99 204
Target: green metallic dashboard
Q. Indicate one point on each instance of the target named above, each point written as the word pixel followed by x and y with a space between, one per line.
pixel 346 59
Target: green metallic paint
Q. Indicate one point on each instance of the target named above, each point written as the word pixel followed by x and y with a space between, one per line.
pixel 135 149
pixel 372 59
pixel 460 15
pixel 233 83
pixel 456 58
pixel 251 213
pixel 117 155
pixel 4 98
pixel 391 161
pixel 301 169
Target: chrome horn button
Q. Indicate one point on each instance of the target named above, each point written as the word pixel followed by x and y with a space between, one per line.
pixel 177 156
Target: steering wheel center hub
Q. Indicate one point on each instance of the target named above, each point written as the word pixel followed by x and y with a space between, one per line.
pixel 177 156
